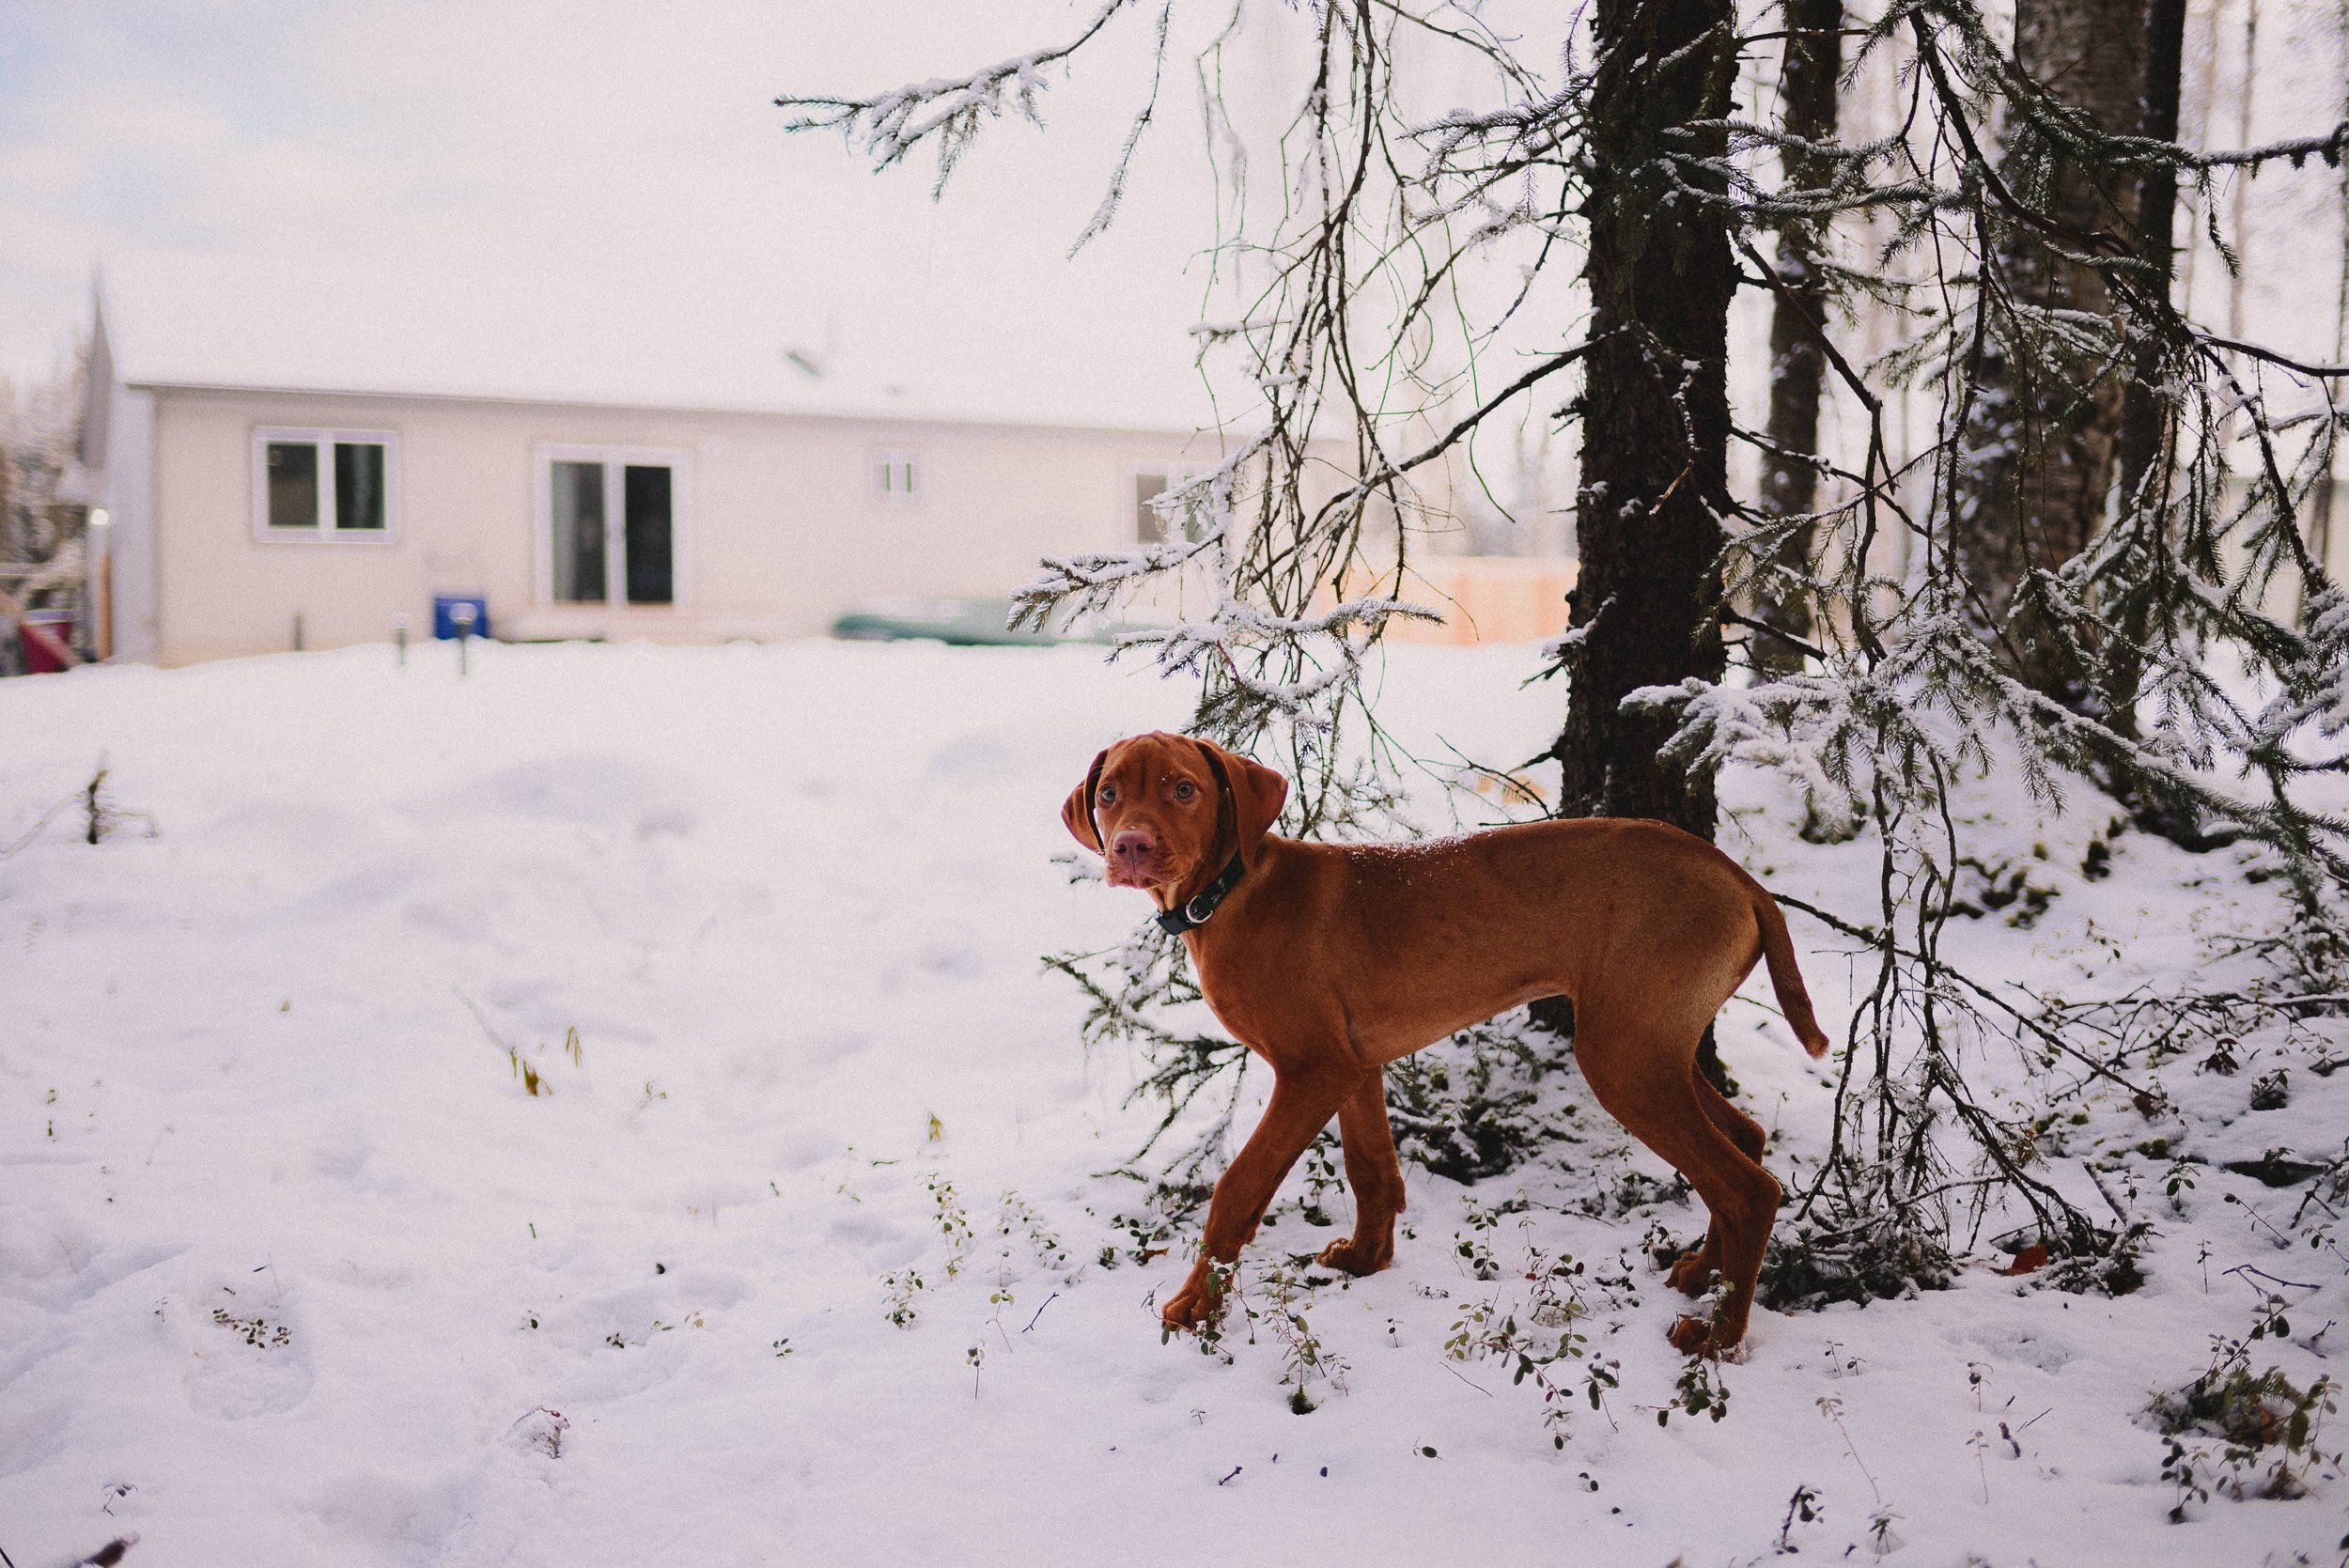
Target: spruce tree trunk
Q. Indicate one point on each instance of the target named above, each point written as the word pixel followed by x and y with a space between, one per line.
pixel 1790 488
pixel 2145 423
pixel 1655 410
pixel 2042 438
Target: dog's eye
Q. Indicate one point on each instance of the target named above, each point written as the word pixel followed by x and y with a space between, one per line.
pixel 1184 790
pixel 1109 795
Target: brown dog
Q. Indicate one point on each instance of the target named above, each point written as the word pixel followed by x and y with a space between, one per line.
pixel 1329 961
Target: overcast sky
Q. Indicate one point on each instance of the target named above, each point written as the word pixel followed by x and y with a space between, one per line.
pixel 463 192
pixel 597 197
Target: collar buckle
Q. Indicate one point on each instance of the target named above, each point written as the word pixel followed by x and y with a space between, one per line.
pixel 1197 910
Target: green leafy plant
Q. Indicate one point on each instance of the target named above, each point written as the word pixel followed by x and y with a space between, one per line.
pixel 1304 1358
pixel 2236 1433
pixel 951 1223
pixel 1551 1334
pixel 899 1289
pixel 257 1332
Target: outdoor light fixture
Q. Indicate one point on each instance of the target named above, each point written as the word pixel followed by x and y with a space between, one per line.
pixel 462 615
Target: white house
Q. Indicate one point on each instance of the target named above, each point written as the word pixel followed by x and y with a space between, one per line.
pixel 245 517
pixel 258 513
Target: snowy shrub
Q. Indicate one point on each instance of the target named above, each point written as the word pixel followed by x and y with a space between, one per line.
pixel 2110 1269
pixel 950 1219
pixel 1810 1266
pixel 1152 1230
pixel 1014 1217
pixel 1700 1391
pixel 1304 1358
pixel 899 1289
pixel 2240 1416
pixel 1468 1108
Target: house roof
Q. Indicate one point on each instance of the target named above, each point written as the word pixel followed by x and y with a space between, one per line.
pixel 509 341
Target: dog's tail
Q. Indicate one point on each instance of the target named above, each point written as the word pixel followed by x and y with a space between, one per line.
pixel 1778 950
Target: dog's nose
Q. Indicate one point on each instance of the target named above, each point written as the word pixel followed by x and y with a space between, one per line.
pixel 1131 845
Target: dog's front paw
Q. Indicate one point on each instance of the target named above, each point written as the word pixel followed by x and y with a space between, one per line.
pixel 1692 1336
pixel 1356 1255
pixel 1697 1336
pixel 1196 1304
pixel 1693 1275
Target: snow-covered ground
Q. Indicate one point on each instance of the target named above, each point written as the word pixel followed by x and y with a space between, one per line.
pixel 295 1269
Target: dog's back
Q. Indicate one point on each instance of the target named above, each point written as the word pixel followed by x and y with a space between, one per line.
pixel 1423 938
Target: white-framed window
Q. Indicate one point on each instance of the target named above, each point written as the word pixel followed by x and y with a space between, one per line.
pixel 611 525
pixel 325 484
pixel 1149 523
pixel 897 477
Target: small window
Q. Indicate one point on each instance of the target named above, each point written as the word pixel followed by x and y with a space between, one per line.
pixel 896 478
pixel 1149 523
pixel 359 484
pixel 611 527
pixel 293 484
pixel 315 484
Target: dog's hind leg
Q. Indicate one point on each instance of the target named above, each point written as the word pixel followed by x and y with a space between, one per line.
pixel 1694 1270
pixel 1743 1130
pixel 1647 1082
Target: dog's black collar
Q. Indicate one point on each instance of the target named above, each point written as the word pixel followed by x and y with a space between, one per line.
pixel 1194 913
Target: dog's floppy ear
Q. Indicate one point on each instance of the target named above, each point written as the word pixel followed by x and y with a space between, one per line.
pixel 1257 793
pixel 1076 811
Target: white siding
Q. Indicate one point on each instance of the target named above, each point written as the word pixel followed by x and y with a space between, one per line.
pixel 782 529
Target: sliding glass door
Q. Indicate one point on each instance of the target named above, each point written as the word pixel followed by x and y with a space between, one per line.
pixel 611 528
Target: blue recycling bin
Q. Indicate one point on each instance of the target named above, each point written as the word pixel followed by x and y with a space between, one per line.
pixel 444 615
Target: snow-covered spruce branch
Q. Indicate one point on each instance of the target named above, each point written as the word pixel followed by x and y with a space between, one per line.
pixel 1196 517
pixel 1114 194
pixel 1826 734
pixel 1125 987
pixel 1238 636
pixel 1098 578
pixel 1238 640
pixel 888 126
pixel 2282 360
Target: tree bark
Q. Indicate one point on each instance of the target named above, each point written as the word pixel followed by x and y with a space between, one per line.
pixel 2146 420
pixel 2042 441
pixel 1654 408
pixel 1790 487
pixel 2322 509
pixel 2144 424
pixel 9 551
pixel 1655 411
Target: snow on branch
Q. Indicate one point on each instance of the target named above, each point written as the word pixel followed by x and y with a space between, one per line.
pixel 890 125
pixel 1105 213
pixel 1237 640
